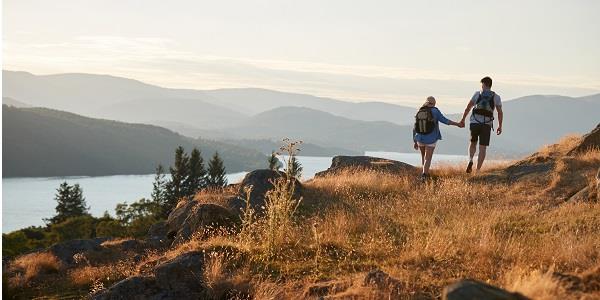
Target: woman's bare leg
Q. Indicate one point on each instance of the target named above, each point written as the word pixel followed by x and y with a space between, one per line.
pixel 422 148
pixel 428 157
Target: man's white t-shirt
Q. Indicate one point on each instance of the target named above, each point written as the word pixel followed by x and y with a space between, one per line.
pixel 479 119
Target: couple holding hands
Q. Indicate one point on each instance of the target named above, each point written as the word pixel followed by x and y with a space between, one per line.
pixel 482 105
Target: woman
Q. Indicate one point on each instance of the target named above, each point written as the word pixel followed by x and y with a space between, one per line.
pixel 426 138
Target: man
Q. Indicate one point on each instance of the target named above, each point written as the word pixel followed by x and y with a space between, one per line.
pixel 483 103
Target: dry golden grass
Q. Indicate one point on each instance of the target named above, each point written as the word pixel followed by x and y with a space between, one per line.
pixel 29 267
pixel 425 235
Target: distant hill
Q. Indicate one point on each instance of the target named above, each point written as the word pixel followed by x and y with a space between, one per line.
pixel 327 130
pixel 188 113
pixel 45 142
pixel 266 146
pixel 253 101
pixel 533 121
pixel 119 98
pixel 12 102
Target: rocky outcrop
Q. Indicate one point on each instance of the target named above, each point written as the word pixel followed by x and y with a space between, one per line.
pixel 384 282
pixel 178 278
pixel 190 217
pixel 66 250
pixel 340 163
pixel 467 289
pixel 260 182
pixel 588 141
pixel 205 218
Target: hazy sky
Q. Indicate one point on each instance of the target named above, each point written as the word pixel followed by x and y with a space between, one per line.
pixel 396 51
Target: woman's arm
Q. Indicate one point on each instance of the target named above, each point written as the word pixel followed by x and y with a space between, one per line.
pixel 440 117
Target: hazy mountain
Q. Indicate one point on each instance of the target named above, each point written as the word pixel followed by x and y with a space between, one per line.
pixel 104 96
pixel 253 101
pixel 12 102
pixel 266 146
pixel 45 142
pixel 188 113
pixel 327 130
pixel 533 121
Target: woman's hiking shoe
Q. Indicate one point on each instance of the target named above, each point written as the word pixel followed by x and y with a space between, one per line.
pixel 470 167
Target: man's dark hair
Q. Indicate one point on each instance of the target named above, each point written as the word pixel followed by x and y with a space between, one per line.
pixel 487 81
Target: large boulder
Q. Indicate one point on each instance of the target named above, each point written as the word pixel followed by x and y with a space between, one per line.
pixel 66 250
pixel 467 289
pixel 260 182
pixel 205 218
pixel 182 276
pixel 341 163
pixel 589 141
pixel 133 288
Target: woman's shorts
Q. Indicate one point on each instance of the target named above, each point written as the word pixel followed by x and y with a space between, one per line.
pixel 426 145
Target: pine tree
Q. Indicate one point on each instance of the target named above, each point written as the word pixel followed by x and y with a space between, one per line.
pixel 196 175
pixel 274 163
pixel 70 203
pixel 294 167
pixel 175 188
pixel 158 187
pixel 216 172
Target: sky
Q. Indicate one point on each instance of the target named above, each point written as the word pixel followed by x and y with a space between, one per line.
pixel 393 51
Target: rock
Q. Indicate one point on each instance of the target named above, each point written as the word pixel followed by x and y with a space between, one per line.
pixel 588 141
pixel 261 183
pixel 177 217
pixel 467 289
pixel 133 288
pixel 159 230
pixel 182 276
pixel 322 289
pixel 384 282
pixel 340 163
pixel 65 251
pixel 205 218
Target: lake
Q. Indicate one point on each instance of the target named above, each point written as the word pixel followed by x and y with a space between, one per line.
pixel 27 201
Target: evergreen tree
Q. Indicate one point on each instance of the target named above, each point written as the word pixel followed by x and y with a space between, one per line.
pixel 175 188
pixel 70 203
pixel 274 163
pixel 158 186
pixel 196 179
pixel 216 172
pixel 294 167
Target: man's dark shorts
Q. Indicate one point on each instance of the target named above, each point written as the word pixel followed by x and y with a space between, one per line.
pixel 481 132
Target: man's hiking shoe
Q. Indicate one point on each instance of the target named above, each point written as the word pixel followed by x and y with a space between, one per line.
pixel 424 177
pixel 470 167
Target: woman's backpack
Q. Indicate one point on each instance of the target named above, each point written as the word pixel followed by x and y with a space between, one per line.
pixel 424 122
pixel 484 106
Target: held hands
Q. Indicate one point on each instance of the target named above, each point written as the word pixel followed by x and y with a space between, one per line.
pixel 461 124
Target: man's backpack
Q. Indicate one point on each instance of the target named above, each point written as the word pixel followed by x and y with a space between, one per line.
pixel 484 106
pixel 424 122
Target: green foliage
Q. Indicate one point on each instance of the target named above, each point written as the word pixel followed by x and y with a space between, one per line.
pixel 196 177
pixel 274 163
pixel 158 186
pixel 81 227
pixel 138 216
pixel 294 167
pixel 175 188
pixel 216 172
pixel 70 203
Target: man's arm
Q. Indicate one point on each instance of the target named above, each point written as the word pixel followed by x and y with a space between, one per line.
pixel 466 113
pixel 500 117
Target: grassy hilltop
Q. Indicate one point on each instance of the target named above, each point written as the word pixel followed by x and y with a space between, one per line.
pixel 514 225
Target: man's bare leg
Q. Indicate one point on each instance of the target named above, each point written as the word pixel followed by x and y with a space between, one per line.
pixel 481 156
pixel 472 149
